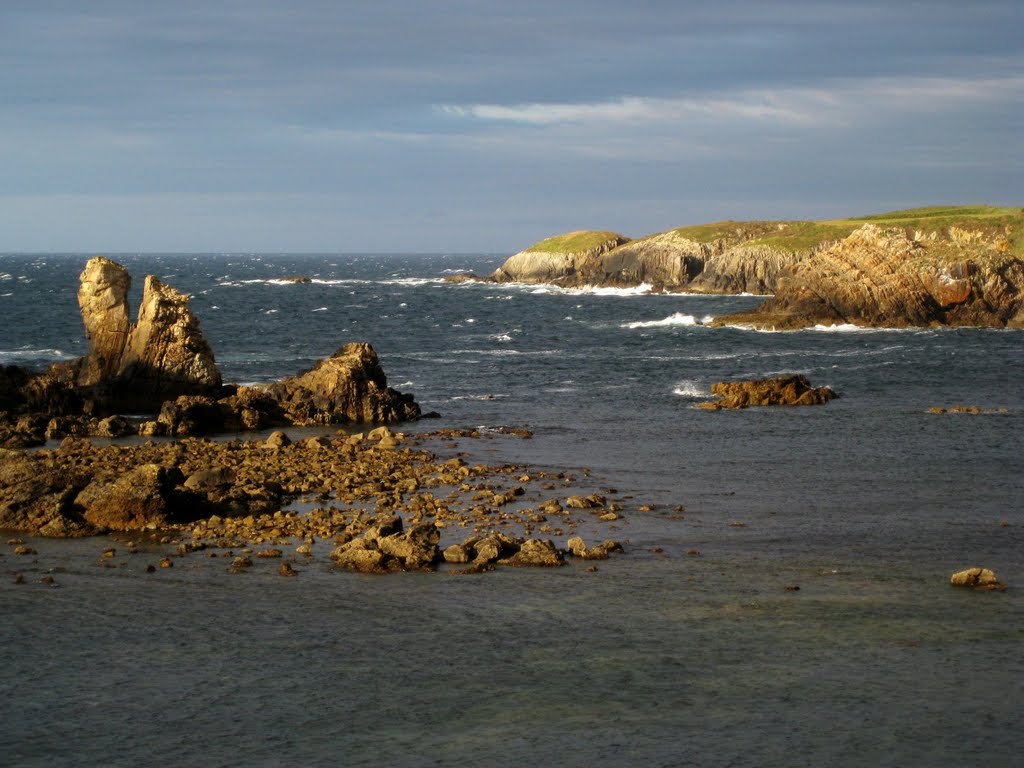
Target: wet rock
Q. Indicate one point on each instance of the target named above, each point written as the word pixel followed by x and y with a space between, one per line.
pixel 783 390
pixel 456 553
pixel 979 578
pixel 143 497
pixel 286 569
pixel 536 553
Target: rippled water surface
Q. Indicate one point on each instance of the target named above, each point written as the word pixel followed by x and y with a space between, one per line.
pixel 657 658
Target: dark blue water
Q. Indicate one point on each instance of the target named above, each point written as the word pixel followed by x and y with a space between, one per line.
pixel 660 658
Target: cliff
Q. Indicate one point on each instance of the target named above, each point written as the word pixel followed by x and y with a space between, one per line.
pixel 557 258
pixel 967 273
pixel 724 257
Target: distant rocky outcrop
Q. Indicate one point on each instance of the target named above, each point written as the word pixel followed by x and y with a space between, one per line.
pixel 978 578
pixel 782 390
pixel 940 265
pixel 890 277
pixel 559 258
pixel 726 257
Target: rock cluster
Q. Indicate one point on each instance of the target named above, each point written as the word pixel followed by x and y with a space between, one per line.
pixel 783 390
pixel 385 502
pixel 162 363
pixel 889 278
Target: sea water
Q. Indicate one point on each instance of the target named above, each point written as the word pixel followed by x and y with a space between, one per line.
pixel 660 657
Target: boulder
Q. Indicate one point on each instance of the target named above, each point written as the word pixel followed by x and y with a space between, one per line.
pixel 783 390
pixel 39 497
pixel 348 387
pixel 535 553
pixel 979 578
pixel 143 497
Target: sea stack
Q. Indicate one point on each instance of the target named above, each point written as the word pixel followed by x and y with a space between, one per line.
pixel 162 356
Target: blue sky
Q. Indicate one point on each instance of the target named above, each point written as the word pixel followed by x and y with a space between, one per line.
pixel 319 125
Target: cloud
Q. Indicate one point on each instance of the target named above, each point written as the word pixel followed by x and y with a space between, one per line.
pixel 783 105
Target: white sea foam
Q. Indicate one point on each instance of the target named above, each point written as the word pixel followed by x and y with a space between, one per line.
pixel 319 309
pixel 502 337
pixel 676 319
pixel 690 389
pixel 24 353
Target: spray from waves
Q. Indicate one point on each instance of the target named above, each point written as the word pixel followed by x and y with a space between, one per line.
pixel 644 289
pixel 673 320
pixel 690 389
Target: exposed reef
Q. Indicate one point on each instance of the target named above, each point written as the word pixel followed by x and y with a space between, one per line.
pixel 782 390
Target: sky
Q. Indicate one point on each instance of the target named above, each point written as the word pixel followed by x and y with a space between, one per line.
pixel 486 125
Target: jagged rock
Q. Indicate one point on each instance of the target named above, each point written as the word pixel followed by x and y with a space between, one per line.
pixel 163 355
pixel 103 301
pixel 979 578
pixel 347 387
pixel 784 390
pixel 888 278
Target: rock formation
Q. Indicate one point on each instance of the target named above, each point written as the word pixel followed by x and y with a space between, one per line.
pixel 557 258
pixel 163 363
pixel 979 578
pixel 718 258
pixel 784 390
pixel 347 387
pixel 137 367
pixel 894 278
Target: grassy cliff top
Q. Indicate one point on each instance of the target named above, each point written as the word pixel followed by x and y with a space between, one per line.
pixel 993 222
pixel 577 242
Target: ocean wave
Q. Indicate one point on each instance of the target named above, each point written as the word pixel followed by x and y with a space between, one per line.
pixel 644 289
pixel 24 353
pixel 676 319
pixel 477 397
pixel 319 309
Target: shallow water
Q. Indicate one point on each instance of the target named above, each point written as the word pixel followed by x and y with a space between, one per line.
pixel 657 658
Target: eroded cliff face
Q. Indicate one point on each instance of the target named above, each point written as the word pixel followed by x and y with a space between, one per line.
pixel 893 278
pixel 555 265
pixel 744 269
pixel 668 261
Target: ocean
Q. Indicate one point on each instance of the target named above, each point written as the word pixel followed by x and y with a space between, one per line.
pixel 659 657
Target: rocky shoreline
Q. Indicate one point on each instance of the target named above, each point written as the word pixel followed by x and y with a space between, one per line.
pixel 162 365
pixel 380 501
pixel 931 266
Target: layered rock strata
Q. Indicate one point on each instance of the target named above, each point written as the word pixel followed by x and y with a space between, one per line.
pixel 893 278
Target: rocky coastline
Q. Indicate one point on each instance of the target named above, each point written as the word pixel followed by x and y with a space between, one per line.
pixel 380 500
pixel 931 266
pixel 162 365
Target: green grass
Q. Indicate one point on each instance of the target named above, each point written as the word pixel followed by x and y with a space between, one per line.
pixel 799 236
pixel 576 242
